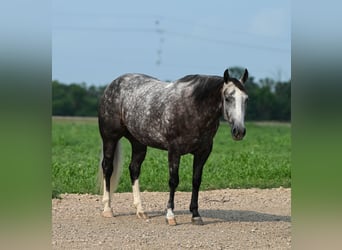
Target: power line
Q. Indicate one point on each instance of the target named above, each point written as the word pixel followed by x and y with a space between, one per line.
pixel 153 17
pixel 219 41
pixel 216 27
pixel 175 33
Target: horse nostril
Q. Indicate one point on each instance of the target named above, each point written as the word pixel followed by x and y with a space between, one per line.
pixel 234 131
pixel 244 132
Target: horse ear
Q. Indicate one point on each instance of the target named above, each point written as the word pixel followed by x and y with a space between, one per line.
pixel 226 76
pixel 244 77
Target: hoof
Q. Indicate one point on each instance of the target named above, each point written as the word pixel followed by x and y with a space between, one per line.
pixel 197 221
pixel 107 214
pixel 171 221
pixel 142 215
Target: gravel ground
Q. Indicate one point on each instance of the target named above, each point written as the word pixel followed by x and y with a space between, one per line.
pixel 233 219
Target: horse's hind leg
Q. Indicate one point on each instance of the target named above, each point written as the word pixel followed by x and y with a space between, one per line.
pixel 109 147
pixel 138 156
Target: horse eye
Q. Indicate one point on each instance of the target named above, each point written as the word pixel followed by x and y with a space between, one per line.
pixel 229 98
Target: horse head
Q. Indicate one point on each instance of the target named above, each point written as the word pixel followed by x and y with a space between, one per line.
pixel 234 99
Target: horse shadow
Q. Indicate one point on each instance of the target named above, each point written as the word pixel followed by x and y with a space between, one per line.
pixel 221 216
pixel 241 216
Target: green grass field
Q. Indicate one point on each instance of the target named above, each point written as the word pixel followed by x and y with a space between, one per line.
pixel 261 160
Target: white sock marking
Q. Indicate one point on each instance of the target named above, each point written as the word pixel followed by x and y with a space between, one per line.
pixel 106 197
pixel 170 214
pixel 136 196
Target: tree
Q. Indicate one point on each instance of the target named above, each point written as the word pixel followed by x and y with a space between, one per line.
pixel 75 99
pixel 282 101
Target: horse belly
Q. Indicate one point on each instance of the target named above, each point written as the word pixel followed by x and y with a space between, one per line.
pixel 148 133
pixel 183 144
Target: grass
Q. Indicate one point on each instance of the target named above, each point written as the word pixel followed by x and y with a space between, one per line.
pixel 261 160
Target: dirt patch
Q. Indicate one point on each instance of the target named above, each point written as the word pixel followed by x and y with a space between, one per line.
pixel 233 219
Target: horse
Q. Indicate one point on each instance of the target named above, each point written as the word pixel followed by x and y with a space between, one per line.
pixel 181 117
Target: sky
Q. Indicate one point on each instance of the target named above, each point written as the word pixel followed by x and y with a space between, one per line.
pixel 96 41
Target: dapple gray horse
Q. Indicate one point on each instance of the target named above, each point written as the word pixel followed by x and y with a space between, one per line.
pixel 181 117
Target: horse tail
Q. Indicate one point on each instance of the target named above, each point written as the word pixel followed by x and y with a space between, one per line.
pixel 117 170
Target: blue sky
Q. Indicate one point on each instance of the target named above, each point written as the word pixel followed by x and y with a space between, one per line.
pixel 96 41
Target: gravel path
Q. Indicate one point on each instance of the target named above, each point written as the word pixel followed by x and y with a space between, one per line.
pixel 233 218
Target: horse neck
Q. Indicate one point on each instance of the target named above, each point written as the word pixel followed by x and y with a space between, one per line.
pixel 210 108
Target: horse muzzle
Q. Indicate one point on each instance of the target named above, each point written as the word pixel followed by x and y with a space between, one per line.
pixel 238 132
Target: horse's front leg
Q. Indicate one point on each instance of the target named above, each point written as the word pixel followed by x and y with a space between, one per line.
pixel 174 159
pixel 200 158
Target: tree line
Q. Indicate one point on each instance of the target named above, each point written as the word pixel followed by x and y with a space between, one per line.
pixel 268 99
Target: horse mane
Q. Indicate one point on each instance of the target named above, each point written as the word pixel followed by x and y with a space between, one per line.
pixel 203 86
